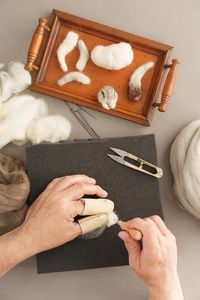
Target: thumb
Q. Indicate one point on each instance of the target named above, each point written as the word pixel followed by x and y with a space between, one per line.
pixel 133 247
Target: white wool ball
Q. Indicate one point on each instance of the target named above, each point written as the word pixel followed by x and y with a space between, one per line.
pixel 112 219
pixel 48 129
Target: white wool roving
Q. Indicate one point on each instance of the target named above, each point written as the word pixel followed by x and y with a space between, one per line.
pixel 185 166
pixel 14 81
pixel 112 57
pixel 48 129
pixel 16 114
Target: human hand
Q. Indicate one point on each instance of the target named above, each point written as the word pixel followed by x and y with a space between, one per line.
pixel 50 220
pixel 155 262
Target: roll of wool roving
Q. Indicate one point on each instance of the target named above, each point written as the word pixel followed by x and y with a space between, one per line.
pixel 185 166
pixel 14 190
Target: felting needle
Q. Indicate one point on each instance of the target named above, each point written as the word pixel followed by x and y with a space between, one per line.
pixel 134 233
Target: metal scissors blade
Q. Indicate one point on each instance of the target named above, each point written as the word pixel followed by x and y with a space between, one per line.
pixel 117 158
pixel 121 153
pixel 144 166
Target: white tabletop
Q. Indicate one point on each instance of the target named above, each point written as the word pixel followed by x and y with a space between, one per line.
pixel 172 22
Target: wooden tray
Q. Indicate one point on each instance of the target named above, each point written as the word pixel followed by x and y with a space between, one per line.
pixel 43 63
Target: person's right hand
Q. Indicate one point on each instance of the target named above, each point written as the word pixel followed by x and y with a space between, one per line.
pixel 50 220
pixel 155 261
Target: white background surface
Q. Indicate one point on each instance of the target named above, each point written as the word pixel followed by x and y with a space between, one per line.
pixel 173 22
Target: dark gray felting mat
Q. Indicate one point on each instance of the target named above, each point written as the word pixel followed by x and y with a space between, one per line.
pixel 134 194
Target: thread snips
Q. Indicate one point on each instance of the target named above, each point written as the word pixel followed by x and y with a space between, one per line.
pixel 138 164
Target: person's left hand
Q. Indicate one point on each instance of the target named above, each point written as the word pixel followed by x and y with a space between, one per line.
pixel 50 220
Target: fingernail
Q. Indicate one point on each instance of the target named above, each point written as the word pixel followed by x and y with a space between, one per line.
pixel 106 193
pixel 92 180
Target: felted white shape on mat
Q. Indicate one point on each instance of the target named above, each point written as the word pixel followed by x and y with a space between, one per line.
pixel 14 81
pixel 185 166
pixel 83 56
pixel 135 85
pixel 16 114
pixel 112 57
pixel 74 76
pixel 51 129
pixel 67 45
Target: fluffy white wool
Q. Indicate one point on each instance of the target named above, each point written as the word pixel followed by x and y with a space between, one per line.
pixel 49 129
pixel 16 114
pixel 74 76
pixel 112 57
pixel 14 81
pixel 185 166
pixel 67 45
pixel 84 56
pixel 112 219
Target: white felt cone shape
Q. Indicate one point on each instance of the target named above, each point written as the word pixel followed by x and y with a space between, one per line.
pixel 16 114
pixel 185 166
pixel 48 129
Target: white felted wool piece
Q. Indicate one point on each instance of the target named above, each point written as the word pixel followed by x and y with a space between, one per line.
pixel 16 114
pixel 112 219
pixel 83 57
pixel 185 166
pixel 135 85
pixel 48 129
pixel 112 57
pixel 74 76
pixel 14 81
pixel 67 45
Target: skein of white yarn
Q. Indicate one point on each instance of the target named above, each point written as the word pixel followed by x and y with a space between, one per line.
pixel 185 166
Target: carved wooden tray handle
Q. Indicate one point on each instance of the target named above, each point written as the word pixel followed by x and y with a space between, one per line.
pixel 35 44
pixel 167 89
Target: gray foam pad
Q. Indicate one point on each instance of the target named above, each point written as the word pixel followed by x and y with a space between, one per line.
pixel 134 194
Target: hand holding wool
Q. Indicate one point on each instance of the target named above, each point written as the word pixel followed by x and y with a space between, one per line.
pixel 50 220
pixel 155 262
